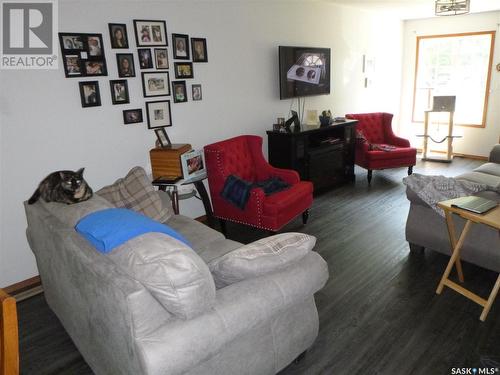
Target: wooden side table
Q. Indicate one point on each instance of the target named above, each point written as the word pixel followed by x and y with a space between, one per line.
pixel 492 219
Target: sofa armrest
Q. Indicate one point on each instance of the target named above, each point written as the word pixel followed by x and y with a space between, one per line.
pixel 495 154
pixel 239 308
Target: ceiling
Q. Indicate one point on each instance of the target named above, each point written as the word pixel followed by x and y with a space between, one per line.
pixel 410 9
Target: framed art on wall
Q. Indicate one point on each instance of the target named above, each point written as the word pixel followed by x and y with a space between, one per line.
pixel 132 116
pixel 119 91
pixel 145 58
pixel 180 43
pixel 161 58
pixel 82 54
pixel 89 94
pixel 118 35
pixel 150 33
pixel 199 49
pixel 196 92
pixel 125 62
pixel 155 84
pixel 183 70
pixel 158 114
pixel 179 89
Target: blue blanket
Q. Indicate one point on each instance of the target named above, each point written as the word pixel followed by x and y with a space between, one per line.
pixel 109 228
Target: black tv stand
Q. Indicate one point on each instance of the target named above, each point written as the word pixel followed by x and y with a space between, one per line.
pixel 323 155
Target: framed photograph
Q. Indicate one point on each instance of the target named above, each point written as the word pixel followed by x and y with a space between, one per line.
pixel 155 84
pixel 193 164
pixel 145 58
pixel 119 91
pixel 180 43
pixel 150 33
pixel 118 35
pixel 82 54
pixel 183 70
pixel 159 114
pixel 196 92
pixel 162 136
pixel 72 65
pixel 179 89
pixel 132 116
pixel 199 49
pixel 89 94
pixel 161 58
pixel 125 62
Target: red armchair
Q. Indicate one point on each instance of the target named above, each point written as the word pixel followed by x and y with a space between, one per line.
pixel 242 156
pixel 374 134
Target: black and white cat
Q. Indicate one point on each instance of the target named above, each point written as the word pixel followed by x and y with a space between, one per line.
pixel 64 187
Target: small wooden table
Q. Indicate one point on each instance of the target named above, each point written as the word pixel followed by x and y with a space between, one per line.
pixel 492 219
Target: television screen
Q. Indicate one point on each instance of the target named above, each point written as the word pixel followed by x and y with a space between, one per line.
pixel 304 71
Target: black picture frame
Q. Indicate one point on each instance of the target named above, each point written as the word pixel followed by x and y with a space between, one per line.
pixel 123 70
pixel 196 93
pixel 159 114
pixel 116 42
pixel 199 49
pixel 162 136
pixel 89 94
pixel 179 91
pixel 146 35
pixel 119 91
pixel 183 70
pixel 155 84
pixel 161 58
pixel 132 116
pixel 180 46
pixel 83 55
pixel 145 58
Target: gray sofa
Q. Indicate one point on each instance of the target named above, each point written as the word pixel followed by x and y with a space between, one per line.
pixel 255 326
pixel 426 229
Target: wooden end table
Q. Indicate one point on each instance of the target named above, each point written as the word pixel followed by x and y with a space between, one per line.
pixel 491 219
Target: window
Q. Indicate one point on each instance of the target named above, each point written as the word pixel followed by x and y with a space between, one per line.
pixel 457 64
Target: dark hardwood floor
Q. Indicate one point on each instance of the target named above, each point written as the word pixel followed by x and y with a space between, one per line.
pixel 379 313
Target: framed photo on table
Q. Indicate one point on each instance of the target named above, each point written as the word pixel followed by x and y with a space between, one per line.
pixel 162 136
pixel 159 114
pixel 150 33
pixel 155 84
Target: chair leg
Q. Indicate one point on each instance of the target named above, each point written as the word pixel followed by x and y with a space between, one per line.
pixel 305 216
pixel 370 172
pixel 410 170
pixel 222 223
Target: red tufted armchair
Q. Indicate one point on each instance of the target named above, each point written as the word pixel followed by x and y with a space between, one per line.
pixel 242 156
pixel 372 151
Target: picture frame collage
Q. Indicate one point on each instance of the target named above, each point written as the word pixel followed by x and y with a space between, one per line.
pixel 84 56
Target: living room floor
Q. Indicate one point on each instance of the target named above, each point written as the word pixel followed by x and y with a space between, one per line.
pixel 378 312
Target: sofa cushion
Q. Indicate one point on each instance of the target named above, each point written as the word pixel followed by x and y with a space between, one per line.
pixel 260 257
pixel 199 235
pixel 70 214
pixel 489 168
pixel 135 191
pixel 481 178
pixel 172 272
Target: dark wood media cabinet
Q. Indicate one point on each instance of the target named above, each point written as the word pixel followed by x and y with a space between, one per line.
pixel 324 155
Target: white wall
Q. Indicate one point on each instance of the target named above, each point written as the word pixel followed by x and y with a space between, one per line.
pixel 475 141
pixel 44 127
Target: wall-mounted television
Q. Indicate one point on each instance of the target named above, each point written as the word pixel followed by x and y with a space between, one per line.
pixel 304 71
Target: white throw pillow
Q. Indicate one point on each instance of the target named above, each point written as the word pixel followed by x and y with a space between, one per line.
pixel 260 257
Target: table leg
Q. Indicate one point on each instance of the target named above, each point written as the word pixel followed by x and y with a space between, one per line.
pixel 200 186
pixel 175 200
pixel 453 240
pixel 491 298
pixel 454 256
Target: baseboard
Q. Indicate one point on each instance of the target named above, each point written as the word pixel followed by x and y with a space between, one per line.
pixel 25 289
pixel 467 156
